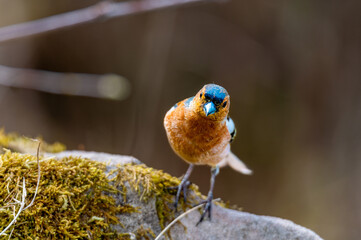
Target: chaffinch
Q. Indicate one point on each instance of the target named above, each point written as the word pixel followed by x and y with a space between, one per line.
pixel 200 131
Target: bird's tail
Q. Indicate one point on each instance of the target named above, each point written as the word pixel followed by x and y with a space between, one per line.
pixel 234 162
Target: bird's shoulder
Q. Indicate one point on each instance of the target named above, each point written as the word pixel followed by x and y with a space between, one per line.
pixel 184 104
pixel 231 128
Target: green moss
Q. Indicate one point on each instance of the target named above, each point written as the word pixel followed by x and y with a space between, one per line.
pixel 152 183
pixel 141 234
pixel 144 233
pixel 26 145
pixel 73 202
pixel 148 182
pixel 74 198
pixel 126 236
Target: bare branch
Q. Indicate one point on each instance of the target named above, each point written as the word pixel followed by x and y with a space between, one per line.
pixel 109 86
pixel 102 10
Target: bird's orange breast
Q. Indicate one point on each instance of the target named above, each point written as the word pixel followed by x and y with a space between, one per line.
pixel 196 139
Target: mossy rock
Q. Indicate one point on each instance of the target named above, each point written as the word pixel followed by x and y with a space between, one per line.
pixel 90 195
pixel 79 198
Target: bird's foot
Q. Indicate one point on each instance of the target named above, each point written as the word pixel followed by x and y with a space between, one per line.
pixel 207 209
pixel 182 188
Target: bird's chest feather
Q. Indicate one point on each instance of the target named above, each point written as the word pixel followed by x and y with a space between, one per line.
pixel 194 137
pixel 202 132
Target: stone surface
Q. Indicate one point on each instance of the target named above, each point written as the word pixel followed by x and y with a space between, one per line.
pixel 112 159
pixel 225 224
pixel 231 224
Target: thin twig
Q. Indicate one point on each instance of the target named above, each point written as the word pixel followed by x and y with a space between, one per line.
pixel 22 204
pixel 38 182
pixel 102 10
pixel 180 217
pixel 11 233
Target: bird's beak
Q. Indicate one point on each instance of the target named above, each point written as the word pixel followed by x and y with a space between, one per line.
pixel 209 108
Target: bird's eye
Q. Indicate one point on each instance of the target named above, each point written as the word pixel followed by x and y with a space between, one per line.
pixel 200 95
pixel 224 104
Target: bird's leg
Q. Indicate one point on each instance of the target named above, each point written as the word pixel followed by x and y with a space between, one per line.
pixel 183 186
pixel 208 203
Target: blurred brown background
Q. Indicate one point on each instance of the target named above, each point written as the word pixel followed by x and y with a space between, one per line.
pixel 292 69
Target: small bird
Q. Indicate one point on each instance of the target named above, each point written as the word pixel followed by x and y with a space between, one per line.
pixel 200 131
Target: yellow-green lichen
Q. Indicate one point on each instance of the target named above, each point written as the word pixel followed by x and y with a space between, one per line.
pixel 152 183
pixel 148 182
pixel 140 234
pixel 73 201
pixel 26 145
pixel 144 233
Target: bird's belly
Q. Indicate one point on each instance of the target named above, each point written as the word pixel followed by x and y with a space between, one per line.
pixel 204 146
pixel 200 154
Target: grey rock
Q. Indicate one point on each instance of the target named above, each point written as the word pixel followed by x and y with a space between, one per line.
pixel 231 224
pixel 112 159
pixel 225 224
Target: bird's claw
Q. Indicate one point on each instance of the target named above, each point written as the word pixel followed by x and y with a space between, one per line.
pixel 206 209
pixel 182 188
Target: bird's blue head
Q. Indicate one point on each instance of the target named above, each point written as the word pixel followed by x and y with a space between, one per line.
pixel 212 102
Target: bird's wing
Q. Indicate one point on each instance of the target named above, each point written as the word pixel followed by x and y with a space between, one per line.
pixel 232 160
pixel 231 128
pixel 188 101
